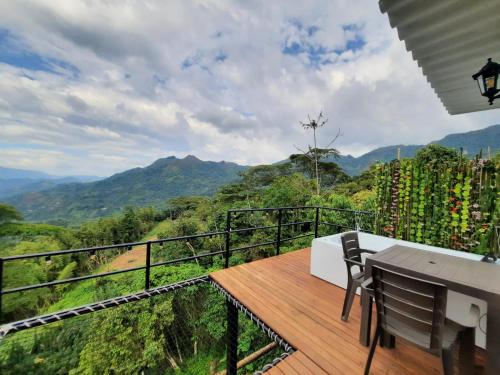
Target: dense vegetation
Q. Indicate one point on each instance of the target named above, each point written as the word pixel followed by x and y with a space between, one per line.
pixel 440 198
pixel 181 332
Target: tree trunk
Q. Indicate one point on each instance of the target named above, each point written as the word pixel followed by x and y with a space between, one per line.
pixel 316 162
pixel 172 362
pixel 178 349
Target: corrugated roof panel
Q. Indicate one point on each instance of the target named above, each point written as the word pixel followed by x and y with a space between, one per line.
pixel 450 40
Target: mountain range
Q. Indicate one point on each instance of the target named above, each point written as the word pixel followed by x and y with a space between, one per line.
pixel 153 185
pixel 470 142
pixel 18 181
pixel 42 197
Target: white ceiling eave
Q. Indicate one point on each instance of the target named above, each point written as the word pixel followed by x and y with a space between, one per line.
pixel 450 40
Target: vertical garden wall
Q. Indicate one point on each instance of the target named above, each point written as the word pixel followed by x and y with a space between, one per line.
pixel 440 198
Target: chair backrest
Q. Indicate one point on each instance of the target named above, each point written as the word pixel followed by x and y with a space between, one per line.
pixel 410 308
pixel 350 246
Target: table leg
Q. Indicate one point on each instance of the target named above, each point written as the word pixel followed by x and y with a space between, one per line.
pixel 366 319
pixel 493 339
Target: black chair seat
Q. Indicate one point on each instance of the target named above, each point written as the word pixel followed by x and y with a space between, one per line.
pixel 352 258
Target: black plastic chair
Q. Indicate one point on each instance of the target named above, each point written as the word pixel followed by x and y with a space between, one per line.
pixel 415 310
pixel 352 258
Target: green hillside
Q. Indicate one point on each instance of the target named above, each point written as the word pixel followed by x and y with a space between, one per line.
pixel 153 185
pixel 471 142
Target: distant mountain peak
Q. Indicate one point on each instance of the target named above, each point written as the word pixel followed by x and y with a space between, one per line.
pixel 471 142
pixel 166 178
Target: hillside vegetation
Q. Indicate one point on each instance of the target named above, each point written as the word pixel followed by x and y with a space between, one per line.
pixel 153 185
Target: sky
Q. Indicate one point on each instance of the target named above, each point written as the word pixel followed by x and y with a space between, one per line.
pixel 97 87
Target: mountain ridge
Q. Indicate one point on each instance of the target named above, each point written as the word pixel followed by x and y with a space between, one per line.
pixel 151 185
pixel 471 142
pixel 17 181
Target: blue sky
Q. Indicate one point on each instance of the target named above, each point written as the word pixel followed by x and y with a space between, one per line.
pixel 100 87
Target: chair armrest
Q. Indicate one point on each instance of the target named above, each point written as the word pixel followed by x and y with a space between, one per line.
pixel 367 251
pixel 353 262
pixel 367 286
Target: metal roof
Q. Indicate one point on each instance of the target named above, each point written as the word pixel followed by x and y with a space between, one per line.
pixel 450 40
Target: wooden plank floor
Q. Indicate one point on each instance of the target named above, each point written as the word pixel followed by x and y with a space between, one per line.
pixel 306 311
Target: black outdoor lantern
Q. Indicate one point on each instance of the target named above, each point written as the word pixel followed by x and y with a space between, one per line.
pixel 488 82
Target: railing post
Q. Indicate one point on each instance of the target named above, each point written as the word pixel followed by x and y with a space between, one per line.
pixel 316 223
pixel 228 238
pixel 278 235
pixel 232 339
pixel 357 221
pixel 1 289
pixel 148 265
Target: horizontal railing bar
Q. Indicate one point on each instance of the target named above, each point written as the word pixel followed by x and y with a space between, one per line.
pixel 107 247
pixel 295 237
pixel 347 210
pixel 98 275
pixel 70 251
pixel 270 209
pixel 194 257
pixel 253 228
pixel 73 279
pixel 270 226
pixel 253 246
pixel 336 225
pixel 297 223
pixel 209 234
pixel 181 238
pixel 343 226
pixel 131 244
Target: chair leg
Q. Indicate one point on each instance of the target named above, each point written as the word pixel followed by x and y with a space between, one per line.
pixel 447 358
pixel 366 319
pixel 466 351
pixel 372 350
pixel 349 298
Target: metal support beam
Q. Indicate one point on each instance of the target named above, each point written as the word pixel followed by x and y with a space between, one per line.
pixel 278 235
pixel 316 223
pixel 228 239
pixel 232 339
pixel 148 266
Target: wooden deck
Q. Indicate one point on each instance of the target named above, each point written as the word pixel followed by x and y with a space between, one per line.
pixel 305 311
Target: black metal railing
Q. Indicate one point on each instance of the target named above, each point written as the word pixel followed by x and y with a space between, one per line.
pixel 315 217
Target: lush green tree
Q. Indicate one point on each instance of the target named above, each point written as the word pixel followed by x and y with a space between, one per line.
pixel 435 153
pixel 364 181
pixel 330 173
pixel 9 213
pixel 288 191
pixel 180 205
pixel 315 154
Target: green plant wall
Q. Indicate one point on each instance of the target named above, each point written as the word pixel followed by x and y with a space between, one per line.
pixel 446 203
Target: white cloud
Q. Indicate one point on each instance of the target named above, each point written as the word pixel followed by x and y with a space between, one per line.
pixel 143 80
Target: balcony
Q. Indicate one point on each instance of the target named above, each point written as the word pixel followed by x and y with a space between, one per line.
pixel 305 311
pixel 300 313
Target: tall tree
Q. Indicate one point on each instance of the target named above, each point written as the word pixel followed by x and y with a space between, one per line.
pixel 315 154
pixel 9 213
